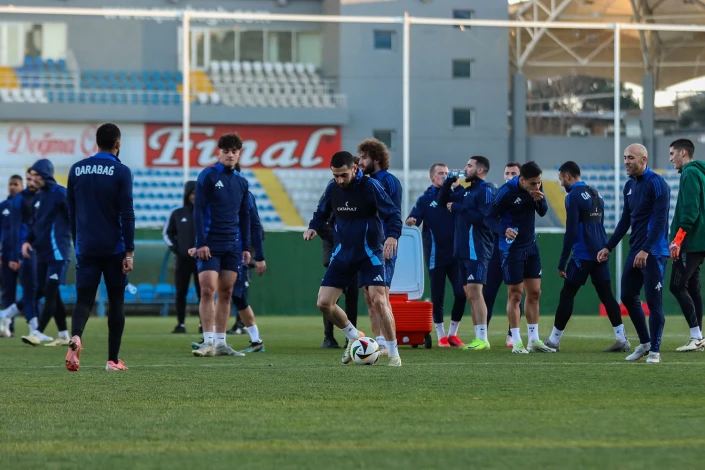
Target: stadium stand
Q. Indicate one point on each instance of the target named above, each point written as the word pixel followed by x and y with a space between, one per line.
pixel 233 83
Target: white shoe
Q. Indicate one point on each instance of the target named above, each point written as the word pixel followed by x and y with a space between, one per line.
pixel 693 345
pixel 5 327
pixel 519 349
pixel 540 346
pixel 43 337
pixel 640 351
pixel 654 358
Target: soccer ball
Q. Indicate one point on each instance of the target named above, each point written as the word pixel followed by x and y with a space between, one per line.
pixel 365 351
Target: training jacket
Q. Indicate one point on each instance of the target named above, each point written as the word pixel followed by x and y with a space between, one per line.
pixel 5 227
pixel 584 225
pixel 514 208
pixel 359 210
pixel 690 206
pixel 21 215
pixel 438 233
pixel 256 230
pixel 221 215
pixel 179 233
pixel 392 187
pixel 100 206
pixel 473 239
pixel 646 204
pixel 50 233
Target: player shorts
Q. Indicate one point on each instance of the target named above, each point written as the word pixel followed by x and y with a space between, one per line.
pixel 389 265
pixel 89 270
pixel 474 271
pixel 578 271
pixel 520 265
pixel 341 273
pixel 239 295
pixel 221 261
pixel 52 271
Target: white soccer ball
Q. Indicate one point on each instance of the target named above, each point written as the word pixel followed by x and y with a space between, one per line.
pixel 365 351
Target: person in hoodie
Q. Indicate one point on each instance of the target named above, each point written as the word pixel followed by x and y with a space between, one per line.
pixel 102 221
pixel 49 238
pixel 473 242
pixel 359 204
pixel 646 205
pixel 21 215
pixel 9 275
pixel 688 240
pixel 180 236
pixel 585 236
pixel 438 239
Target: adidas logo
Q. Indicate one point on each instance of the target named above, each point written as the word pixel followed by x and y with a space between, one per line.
pixel 184 220
pixel 659 286
pixel 36 205
pixel 6 212
pixel 54 277
pixel 219 184
pixel 471 278
pixel 630 192
pixel 433 204
pixel 517 200
pixel 378 279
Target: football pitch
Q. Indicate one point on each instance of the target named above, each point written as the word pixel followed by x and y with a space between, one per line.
pixel 296 406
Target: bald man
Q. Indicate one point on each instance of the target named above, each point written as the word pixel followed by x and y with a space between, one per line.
pixel 646 203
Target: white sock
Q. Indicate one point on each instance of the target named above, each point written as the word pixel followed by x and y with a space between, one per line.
pixel 208 337
pixel 556 334
pixel 33 324
pixel 453 330
pixel 696 333
pixel 392 347
pixel 254 333
pixel 64 334
pixel 516 336
pixel 11 312
pixel 619 333
pixel 219 339
pixel 481 332
pixel 381 341
pixel 533 332
pixel 351 332
pixel 440 330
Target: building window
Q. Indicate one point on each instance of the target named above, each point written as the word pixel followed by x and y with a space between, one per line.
pixel 463 15
pixel 280 46
pixel 383 40
pixel 461 68
pixel 251 46
pixel 386 137
pixel 462 117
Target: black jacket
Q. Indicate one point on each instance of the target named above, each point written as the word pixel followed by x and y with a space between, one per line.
pixel 179 233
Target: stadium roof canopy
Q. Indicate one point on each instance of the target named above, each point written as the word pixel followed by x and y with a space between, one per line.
pixel 672 57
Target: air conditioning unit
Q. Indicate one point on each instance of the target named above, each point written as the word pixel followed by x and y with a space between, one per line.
pixel 578 130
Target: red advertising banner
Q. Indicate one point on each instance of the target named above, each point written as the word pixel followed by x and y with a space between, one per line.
pixel 263 146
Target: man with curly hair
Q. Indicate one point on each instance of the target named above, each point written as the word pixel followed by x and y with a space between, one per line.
pixel 374 161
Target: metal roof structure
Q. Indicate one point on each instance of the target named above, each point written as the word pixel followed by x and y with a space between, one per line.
pixel 672 57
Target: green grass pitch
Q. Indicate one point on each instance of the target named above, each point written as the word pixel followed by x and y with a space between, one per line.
pixel 296 407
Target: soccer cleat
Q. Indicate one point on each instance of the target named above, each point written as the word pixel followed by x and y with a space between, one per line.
pixel 59 342
pixel 329 343
pixel 73 356
pixel 254 347
pixel 619 346
pixel 227 350
pixel 639 352
pixel 540 346
pixel 347 357
pixel 5 327
pixel 204 350
pixel 477 345
pixel 653 358
pixel 394 361
pixel 32 339
pixel 552 345
pixel 519 349
pixel 509 342
pixel 197 344
pixel 179 329
pixel 383 350
pixel 443 342
pixel 115 366
pixel 693 345
pixel 455 341
pixel 43 337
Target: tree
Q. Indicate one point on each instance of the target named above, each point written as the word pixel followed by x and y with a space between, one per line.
pixel 694 115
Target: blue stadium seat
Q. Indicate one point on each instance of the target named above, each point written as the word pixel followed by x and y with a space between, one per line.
pixel 130 298
pixel 146 292
pixel 164 291
pixel 192 297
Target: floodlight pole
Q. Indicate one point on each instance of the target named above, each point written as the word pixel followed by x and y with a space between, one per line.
pixel 186 92
pixel 617 154
pixel 406 53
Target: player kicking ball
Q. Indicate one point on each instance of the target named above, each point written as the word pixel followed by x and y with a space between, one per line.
pixel 359 204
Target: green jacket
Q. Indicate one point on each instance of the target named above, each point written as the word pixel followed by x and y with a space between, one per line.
pixel 690 208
